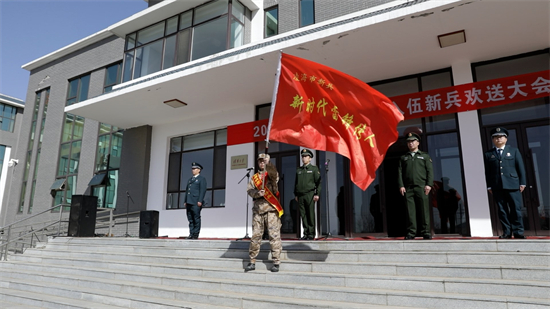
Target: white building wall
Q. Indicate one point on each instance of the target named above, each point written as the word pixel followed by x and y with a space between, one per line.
pixel 228 222
pixel 472 157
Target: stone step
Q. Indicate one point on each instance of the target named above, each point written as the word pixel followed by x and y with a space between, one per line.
pixel 130 294
pixel 149 264
pixel 230 294
pixel 18 298
pixel 157 274
pixel 464 257
pixel 443 245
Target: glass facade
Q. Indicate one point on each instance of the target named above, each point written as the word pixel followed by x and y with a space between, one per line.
pixel 205 30
pixel 209 150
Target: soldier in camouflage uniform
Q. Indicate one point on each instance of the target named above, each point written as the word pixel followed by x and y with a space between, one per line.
pixel 264 214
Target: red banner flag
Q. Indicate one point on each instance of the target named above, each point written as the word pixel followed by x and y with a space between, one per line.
pixel 320 108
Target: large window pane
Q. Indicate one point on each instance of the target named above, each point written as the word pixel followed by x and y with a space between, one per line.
pixel 441 123
pixel 197 141
pixel 169 52
pixel 221 137
pixel 183 46
pixel 219 198
pixel 150 33
pixel 448 206
pixel 398 87
pixel 148 59
pixel 174 167
pixel 116 150
pixel 175 144
pixel 103 145
pixel 73 88
pixel 84 86
pixel 128 66
pixel 307 13
pixel 186 19
pixel 172 25
pixel 68 128
pixel 112 75
pixel 271 22
pixel 131 41
pixel 63 159
pixel 78 127
pixel 520 111
pixel 75 157
pixel 436 81
pixel 204 158
pixel 172 201
pixel 210 38
pixel 237 9
pixel 220 166
pixel 210 11
pixel 237 34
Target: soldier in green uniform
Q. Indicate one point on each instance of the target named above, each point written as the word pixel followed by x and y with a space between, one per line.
pixel 415 177
pixel 306 192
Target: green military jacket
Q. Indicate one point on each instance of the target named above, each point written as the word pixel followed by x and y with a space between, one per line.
pixel 308 179
pixel 415 171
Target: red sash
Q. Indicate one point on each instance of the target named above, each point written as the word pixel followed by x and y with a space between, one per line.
pixel 268 195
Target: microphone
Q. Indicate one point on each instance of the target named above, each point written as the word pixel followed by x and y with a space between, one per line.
pixel 127 194
pixel 250 168
pixel 327 161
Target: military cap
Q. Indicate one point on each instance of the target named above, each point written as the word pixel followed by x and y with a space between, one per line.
pixel 499 131
pixel 196 165
pixel 306 152
pixel 264 156
pixel 413 136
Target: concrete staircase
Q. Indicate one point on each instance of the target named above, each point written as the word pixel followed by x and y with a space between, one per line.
pixel 172 273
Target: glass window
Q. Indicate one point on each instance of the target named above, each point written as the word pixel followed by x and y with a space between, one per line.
pixel 271 22
pixel 150 33
pixel 237 9
pixel 197 148
pixel 148 59
pixel 516 66
pixel 436 81
pixel 128 66
pixel 7 117
pixel 131 41
pixel 171 25
pixel 448 206
pixel 211 10
pixel 209 38
pixel 183 46
pixel 108 154
pixel 441 123
pixel 78 89
pixel 112 76
pixel 169 59
pixel 520 111
pixel 307 13
pixel 400 87
pixel 237 33
pixel 186 19
pixel 201 32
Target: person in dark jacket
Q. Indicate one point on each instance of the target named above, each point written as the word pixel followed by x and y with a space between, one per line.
pixel 194 200
pixel 506 180
pixel 415 178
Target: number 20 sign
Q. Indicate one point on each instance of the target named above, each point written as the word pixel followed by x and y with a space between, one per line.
pixel 247 132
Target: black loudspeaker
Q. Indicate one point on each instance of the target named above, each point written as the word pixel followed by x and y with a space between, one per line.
pixel 83 215
pixel 148 224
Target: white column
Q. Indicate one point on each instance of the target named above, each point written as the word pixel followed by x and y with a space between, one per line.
pixel 257 23
pixel 472 155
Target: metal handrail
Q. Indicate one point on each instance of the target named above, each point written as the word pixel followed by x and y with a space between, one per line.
pixel 4 245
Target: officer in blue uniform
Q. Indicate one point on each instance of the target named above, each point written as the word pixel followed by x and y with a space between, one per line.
pixel 506 180
pixel 194 200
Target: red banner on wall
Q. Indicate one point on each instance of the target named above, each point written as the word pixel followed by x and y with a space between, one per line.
pixel 474 96
pixel 441 101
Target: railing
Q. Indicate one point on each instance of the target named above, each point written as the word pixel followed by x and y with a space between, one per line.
pixel 28 232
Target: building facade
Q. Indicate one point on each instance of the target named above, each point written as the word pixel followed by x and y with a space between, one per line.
pixel 11 114
pixel 138 102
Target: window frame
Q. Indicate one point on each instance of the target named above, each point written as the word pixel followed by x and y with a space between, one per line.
pixel 118 78
pixel 79 89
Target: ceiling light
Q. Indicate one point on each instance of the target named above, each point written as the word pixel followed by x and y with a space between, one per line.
pixel 452 38
pixel 175 103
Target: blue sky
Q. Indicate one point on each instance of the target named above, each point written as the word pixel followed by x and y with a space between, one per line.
pixel 30 29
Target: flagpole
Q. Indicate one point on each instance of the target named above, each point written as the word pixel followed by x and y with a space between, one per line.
pixel 273 100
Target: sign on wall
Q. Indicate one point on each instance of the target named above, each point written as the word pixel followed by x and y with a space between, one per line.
pixel 238 162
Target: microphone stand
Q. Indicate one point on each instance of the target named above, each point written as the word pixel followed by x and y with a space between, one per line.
pixel 128 198
pixel 247 198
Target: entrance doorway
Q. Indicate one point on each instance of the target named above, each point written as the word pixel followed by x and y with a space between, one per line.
pixel 533 141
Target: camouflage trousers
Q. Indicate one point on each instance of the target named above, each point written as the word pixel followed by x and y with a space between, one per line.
pixel 273 223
